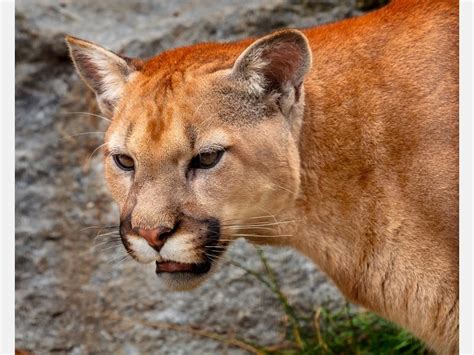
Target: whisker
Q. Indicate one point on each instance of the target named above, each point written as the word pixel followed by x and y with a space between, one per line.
pixel 247 227
pixel 198 108
pixel 257 236
pixel 99 247
pixel 85 133
pixel 89 114
pixel 103 237
pixel 108 233
pixel 217 247
pixel 244 219
pixel 215 258
pixel 120 258
pixel 262 236
pixel 115 107
pixel 99 227
pixel 111 247
pixel 212 258
pixel 273 216
pixel 264 224
pixel 283 188
pixel 112 239
pixel 107 236
pixel 95 150
pixel 108 242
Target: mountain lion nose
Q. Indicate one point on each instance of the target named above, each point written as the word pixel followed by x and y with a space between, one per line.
pixel 155 237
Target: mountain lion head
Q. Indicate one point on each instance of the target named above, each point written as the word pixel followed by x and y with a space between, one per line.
pixel 202 147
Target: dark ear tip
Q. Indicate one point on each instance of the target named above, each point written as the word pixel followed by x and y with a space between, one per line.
pixel 78 42
pixel 290 34
pixel 295 36
pixel 72 44
pixel 70 39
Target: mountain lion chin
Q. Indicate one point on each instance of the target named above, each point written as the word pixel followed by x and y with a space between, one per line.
pixel 183 277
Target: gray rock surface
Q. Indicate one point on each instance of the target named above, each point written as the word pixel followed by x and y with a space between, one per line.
pixel 78 297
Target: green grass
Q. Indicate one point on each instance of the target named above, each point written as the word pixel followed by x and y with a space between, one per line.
pixel 344 331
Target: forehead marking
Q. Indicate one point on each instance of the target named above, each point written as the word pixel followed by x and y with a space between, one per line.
pixel 155 127
pixel 191 135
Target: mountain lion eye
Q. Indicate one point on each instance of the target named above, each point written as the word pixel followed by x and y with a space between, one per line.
pixel 124 162
pixel 206 160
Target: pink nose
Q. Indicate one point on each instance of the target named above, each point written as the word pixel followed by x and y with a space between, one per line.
pixel 155 237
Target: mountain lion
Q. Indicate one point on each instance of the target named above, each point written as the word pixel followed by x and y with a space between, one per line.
pixel 340 141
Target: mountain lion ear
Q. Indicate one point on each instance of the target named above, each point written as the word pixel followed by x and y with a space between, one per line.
pixel 102 70
pixel 276 63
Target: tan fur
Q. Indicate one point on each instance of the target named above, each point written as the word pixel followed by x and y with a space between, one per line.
pixel 359 164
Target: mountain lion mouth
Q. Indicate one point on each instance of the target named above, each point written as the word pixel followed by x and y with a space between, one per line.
pixel 177 267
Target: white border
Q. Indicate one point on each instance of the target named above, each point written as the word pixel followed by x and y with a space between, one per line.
pixel 7 185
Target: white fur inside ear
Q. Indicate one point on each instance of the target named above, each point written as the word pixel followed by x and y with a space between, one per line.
pixel 111 78
pixel 105 72
pixel 253 75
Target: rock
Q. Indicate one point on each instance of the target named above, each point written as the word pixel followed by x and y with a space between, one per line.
pixel 72 297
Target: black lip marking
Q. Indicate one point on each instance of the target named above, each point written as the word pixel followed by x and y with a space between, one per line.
pixel 201 268
pixel 196 269
pixel 211 239
pixel 123 229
